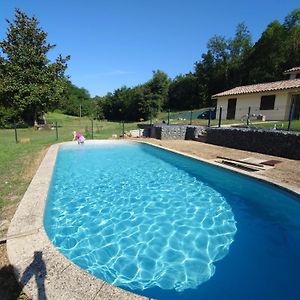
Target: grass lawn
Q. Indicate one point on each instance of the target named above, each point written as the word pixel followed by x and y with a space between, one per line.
pixel 281 125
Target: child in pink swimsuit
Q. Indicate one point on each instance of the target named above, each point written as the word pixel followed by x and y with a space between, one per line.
pixel 79 137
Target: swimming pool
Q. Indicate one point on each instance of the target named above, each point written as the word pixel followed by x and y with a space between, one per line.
pixel 171 227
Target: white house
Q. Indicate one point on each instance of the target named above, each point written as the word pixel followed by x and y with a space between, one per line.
pixel 273 100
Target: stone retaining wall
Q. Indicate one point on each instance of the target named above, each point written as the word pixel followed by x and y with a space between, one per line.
pixel 175 132
pixel 277 143
pixel 272 142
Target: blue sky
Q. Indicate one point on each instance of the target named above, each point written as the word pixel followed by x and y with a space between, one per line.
pixel 113 43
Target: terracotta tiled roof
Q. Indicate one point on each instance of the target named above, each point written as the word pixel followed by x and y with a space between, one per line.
pixel 261 87
pixel 292 70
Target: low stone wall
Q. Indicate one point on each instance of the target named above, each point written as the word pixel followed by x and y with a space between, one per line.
pixel 176 132
pixel 272 142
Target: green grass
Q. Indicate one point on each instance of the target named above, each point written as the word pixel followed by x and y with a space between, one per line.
pixel 281 125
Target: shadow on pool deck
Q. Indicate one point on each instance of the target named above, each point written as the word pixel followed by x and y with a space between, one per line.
pixel 9 287
pixel 36 269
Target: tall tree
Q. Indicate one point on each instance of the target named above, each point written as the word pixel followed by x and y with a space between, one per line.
pixel 75 101
pixel 292 24
pixel 183 93
pixel 152 96
pixel 29 83
pixel 222 67
pixel 267 60
pixel 158 89
pixel 239 48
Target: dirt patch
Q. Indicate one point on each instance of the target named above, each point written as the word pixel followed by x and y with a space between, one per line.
pixel 31 165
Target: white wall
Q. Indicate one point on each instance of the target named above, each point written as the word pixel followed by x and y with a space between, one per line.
pixel 280 111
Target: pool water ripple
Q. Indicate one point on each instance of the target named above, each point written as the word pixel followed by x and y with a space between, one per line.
pixel 136 221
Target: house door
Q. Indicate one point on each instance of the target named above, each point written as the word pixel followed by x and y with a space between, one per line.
pixel 296 115
pixel 231 106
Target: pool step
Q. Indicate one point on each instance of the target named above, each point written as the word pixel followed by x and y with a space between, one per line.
pixel 243 165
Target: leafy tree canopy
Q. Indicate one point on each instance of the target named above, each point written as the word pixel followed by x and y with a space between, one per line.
pixel 29 83
pixel 76 101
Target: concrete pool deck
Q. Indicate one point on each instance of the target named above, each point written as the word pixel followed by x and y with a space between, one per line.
pixel 43 271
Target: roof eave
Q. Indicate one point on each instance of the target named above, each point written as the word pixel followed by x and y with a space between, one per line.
pixel 255 92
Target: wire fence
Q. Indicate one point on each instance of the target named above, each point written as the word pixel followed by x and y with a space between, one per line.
pixel 62 130
pixel 281 117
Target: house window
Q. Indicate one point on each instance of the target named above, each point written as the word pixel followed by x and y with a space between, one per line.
pixel 267 102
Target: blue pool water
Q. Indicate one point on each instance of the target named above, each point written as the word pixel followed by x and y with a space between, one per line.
pixel 170 227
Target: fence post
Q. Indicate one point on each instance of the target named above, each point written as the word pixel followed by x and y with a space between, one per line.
pixel 169 116
pixel 209 118
pixel 191 117
pixel 248 115
pixel 92 129
pixel 291 113
pixel 56 130
pixel 123 128
pixel 16 134
pixel 220 116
